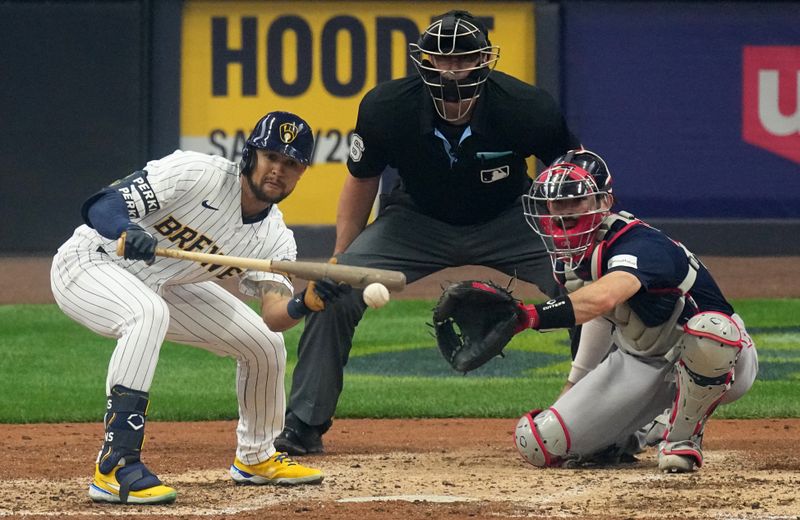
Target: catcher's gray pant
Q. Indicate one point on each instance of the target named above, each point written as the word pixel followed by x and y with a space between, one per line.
pixel 624 393
pixel 404 239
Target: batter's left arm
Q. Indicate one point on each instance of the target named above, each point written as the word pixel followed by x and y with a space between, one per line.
pixel 275 297
pixel 281 310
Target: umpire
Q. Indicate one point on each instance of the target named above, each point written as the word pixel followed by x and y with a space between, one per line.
pixel 458 135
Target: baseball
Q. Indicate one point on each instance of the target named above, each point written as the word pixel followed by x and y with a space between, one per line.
pixel 376 295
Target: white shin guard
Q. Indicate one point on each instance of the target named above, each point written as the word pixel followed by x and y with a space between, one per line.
pixel 708 351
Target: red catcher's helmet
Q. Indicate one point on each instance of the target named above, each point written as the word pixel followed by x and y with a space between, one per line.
pixel 566 204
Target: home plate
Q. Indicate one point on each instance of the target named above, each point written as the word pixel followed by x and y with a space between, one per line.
pixel 409 498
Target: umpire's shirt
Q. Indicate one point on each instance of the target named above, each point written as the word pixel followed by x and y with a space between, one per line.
pixel 480 176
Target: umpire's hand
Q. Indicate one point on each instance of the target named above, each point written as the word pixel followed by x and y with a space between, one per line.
pixel 139 244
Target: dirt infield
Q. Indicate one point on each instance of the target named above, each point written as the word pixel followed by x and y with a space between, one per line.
pixel 414 469
pixel 410 469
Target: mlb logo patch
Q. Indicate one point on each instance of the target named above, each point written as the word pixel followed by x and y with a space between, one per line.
pixel 495 174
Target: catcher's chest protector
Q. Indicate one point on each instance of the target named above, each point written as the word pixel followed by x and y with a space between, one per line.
pixel 631 334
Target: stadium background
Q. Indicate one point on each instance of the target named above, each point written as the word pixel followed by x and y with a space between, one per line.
pixel 695 104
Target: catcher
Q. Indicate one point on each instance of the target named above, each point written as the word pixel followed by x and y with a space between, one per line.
pixel 661 346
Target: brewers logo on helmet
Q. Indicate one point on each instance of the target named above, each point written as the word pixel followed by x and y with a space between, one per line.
pixel 281 132
pixel 288 132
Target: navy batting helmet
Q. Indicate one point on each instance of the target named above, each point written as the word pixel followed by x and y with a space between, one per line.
pixel 281 132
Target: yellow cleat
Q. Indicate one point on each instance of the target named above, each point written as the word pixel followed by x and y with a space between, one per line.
pixel 136 485
pixel 278 469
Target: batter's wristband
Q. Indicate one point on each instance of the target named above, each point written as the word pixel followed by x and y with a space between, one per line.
pixel 297 308
pixel 556 313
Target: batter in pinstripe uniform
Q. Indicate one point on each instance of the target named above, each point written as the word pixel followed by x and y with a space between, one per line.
pixel 194 202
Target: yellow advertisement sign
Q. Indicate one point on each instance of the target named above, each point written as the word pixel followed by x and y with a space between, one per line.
pixel 241 60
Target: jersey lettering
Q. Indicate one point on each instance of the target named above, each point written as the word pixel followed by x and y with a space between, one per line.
pixel 168 226
pixel 189 239
pixel 227 273
pixel 184 235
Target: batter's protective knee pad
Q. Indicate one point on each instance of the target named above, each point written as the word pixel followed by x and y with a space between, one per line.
pixel 541 438
pixel 709 349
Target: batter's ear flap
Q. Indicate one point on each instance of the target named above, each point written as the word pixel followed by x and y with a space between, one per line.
pixel 246 163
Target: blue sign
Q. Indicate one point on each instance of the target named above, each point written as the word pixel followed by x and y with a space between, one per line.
pixel 695 106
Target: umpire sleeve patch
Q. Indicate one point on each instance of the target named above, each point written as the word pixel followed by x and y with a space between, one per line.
pixel 136 188
pixel 356 148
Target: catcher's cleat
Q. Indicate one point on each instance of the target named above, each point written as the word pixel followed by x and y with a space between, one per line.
pixel 278 469
pixel 130 484
pixel 656 429
pixel 679 456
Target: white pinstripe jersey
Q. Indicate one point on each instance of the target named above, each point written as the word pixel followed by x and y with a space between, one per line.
pixel 192 201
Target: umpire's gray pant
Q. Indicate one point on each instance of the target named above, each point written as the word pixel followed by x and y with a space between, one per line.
pixel 403 239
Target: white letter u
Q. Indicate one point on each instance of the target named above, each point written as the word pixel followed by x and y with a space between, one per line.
pixel 768 112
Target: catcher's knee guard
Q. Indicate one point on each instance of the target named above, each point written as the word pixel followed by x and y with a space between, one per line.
pixel 541 438
pixel 709 349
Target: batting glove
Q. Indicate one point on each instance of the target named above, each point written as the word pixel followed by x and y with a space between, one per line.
pixel 314 297
pixel 139 244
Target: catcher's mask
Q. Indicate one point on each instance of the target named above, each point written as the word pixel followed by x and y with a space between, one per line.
pixel 454 57
pixel 566 204
pixel 281 132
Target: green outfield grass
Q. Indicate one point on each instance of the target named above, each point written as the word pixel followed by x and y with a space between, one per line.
pixel 53 370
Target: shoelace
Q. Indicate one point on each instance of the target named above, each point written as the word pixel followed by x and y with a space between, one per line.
pixel 284 458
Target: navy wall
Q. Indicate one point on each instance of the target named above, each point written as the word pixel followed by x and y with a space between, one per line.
pixel 72 112
pixel 657 89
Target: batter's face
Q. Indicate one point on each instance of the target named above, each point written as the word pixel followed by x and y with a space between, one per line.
pixel 274 176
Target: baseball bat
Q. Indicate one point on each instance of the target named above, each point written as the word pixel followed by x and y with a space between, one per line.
pixel 358 277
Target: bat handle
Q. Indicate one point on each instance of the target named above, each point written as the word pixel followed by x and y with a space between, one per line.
pixel 121 245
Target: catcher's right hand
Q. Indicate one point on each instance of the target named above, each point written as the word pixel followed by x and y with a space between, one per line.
pixel 474 321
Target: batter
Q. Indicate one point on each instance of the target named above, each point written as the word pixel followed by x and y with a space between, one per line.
pixel 194 202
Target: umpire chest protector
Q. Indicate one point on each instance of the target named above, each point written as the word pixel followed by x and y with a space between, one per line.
pixel 630 332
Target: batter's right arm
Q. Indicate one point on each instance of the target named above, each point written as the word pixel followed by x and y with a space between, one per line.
pixel 355 204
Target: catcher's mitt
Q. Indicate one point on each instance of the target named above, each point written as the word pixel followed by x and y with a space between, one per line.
pixel 486 316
